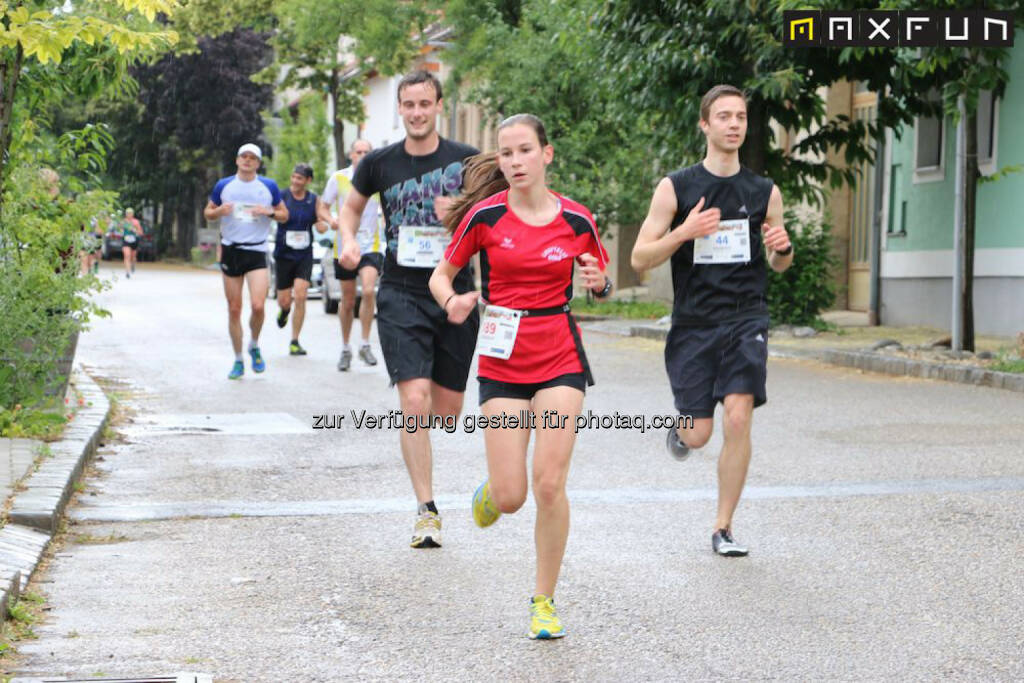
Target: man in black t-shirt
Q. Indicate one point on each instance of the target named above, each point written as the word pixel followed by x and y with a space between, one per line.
pixel 426 356
pixel 293 252
pixel 715 220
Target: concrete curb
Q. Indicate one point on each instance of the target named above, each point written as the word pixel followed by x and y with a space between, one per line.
pixel 37 509
pixel 874 362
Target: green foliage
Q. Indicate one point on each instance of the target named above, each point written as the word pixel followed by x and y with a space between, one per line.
pixel 634 310
pixel 666 55
pixel 807 287
pixel 300 137
pixel 43 300
pixel 606 153
pixel 35 39
pixel 32 423
pixel 378 35
pixel 1008 362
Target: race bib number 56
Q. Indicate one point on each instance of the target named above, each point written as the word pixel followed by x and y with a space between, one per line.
pixel 421 246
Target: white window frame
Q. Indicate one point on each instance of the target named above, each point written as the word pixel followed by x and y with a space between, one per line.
pixel 930 174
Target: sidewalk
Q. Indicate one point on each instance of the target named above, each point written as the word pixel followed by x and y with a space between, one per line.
pixel 38 480
pixel 907 351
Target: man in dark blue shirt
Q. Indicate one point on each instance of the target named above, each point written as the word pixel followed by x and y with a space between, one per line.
pixel 293 252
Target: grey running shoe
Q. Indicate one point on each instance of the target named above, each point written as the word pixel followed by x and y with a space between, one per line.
pixel 676 448
pixel 345 362
pixel 366 355
pixel 427 531
pixel 723 544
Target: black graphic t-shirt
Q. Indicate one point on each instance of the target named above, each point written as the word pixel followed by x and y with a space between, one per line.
pixel 407 186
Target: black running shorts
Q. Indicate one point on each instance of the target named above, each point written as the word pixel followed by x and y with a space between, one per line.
pixel 418 341
pixel 290 270
pixel 237 261
pixel 372 260
pixel 492 388
pixel 706 364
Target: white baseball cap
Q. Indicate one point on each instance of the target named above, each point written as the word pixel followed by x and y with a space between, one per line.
pixel 249 147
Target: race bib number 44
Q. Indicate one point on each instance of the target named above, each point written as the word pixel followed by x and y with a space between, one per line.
pixel 421 246
pixel 498 329
pixel 731 244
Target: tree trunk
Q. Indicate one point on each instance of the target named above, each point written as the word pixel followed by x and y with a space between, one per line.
pixel 337 125
pixel 971 177
pixel 10 72
pixel 185 211
pixel 752 154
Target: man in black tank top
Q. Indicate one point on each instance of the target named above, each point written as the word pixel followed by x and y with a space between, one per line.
pixel 716 220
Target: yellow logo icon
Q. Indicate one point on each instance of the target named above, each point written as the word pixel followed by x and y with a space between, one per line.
pixel 801 26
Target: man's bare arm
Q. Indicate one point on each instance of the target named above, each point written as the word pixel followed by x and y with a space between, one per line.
pixel 774 234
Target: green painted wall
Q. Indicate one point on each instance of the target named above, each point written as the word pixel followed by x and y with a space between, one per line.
pixel 929 206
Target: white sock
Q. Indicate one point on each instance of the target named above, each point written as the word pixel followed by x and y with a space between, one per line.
pixel 238 357
pixel 345 347
pixel 253 344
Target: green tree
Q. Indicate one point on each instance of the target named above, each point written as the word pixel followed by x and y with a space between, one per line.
pixel 547 65
pixel 43 32
pixel 320 44
pixel 972 71
pixel 665 55
pixel 299 136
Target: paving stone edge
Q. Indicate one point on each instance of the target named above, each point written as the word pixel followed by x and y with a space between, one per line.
pixel 38 505
pixel 874 362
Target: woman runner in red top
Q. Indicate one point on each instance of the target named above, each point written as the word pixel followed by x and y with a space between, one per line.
pixel 531 356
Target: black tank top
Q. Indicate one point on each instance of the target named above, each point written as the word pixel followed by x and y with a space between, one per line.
pixel 708 294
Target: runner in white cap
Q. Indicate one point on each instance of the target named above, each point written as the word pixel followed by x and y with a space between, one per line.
pixel 247 204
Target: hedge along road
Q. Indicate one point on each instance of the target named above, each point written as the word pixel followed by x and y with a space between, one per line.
pixel 883 516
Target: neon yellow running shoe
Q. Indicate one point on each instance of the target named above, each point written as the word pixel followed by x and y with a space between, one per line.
pixel 544 621
pixel 485 512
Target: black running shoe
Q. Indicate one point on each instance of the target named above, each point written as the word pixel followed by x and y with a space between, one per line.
pixel 723 544
pixel 282 317
pixel 676 448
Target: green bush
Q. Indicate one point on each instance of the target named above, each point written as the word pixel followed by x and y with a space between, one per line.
pixel 807 287
pixel 44 302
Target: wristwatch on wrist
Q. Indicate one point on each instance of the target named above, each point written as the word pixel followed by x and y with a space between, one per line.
pixel 607 288
pixel 787 251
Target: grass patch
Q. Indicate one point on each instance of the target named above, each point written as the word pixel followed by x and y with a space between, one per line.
pixel 90 539
pixel 23 614
pixel 1007 363
pixel 645 310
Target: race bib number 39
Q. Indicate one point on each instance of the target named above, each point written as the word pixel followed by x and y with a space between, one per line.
pixel 421 246
pixel 498 329
pixel 731 244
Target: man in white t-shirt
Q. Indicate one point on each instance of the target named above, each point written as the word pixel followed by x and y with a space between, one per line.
pixel 371 261
pixel 247 204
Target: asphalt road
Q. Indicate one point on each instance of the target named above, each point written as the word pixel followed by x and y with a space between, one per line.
pixel 225 535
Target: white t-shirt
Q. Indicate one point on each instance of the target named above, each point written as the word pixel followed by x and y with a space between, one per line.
pixel 242 227
pixel 370 233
